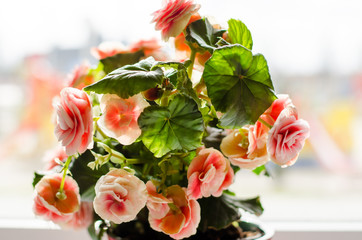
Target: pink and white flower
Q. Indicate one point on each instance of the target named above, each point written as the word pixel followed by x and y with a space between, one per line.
pixel 246 147
pixel 119 117
pixel 80 78
pixel 74 127
pixel 279 104
pixel 174 17
pixel 107 49
pixel 287 137
pixel 175 213
pixel 208 174
pixel 119 196
pixel 49 206
pixel 80 219
pixel 52 157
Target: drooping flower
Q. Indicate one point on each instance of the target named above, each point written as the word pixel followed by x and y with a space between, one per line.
pixel 246 147
pixel 287 137
pixel 119 117
pixel 49 206
pixel 74 127
pixel 208 174
pixel 175 213
pixel 107 49
pixel 80 78
pixel 119 196
pixel 81 218
pixel 173 17
pixel 52 157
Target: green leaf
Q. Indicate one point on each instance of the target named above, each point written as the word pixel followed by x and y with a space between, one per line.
pixel 238 84
pixel 37 178
pixel 176 127
pixel 239 33
pixel 203 34
pixel 225 210
pixel 119 60
pixel 129 80
pixel 261 170
pixel 86 177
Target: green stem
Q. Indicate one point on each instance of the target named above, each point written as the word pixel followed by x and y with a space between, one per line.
pixel 99 130
pixel 60 194
pixel 192 59
pixel 164 99
pixel 265 123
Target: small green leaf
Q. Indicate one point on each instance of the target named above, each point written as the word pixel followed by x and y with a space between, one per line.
pixel 129 80
pixel 37 178
pixel 203 34
pixel 225 210
pixel 119 60
pixel 179 78
pixel 176 127
pixel 261 170
pixel 238 84
pixel 239 33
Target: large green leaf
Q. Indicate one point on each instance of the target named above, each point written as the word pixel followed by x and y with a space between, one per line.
pixel 238 84
pixel 119 60
pixel 129 80
pixel 176 127
pixel 220 212
pixel 239 33
pixel 202 33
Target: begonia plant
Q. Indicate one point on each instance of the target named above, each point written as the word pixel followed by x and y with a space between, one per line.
pixel 157 140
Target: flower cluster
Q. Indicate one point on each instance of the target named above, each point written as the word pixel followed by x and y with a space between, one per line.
pixel 137 135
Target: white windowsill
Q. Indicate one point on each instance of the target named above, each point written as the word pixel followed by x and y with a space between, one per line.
pixel 39 230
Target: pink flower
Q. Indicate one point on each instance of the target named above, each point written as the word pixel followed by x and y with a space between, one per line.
pixel 74 127
pixel 272 113
pixel 287 137
pixel 174 16
pixel 80 219
pixel 107 49
pixel 49 206
pixel 80 78
pixel 209 174
pixel 119 117
pixel 246 147
pixel 174 214
pixel 119 196
pixel 147 46
pixel 51 157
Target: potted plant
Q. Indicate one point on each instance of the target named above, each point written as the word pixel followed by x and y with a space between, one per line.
pixel 150 146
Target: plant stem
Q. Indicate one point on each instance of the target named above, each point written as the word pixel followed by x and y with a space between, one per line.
pixel 265 123
pixel 192 59
pixel 60 194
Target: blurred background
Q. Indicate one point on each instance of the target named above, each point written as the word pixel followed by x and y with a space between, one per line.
pixel 314 53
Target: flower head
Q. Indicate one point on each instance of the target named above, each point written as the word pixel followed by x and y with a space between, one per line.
pixel 107 49
pixel 119 196
pixel 173 17
pixel 74 127
pixel 175 213
pixel 49 206
pixel 287 137
pixel 119 117
pixel 246 147
pixel 80 78
pixel 209 174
